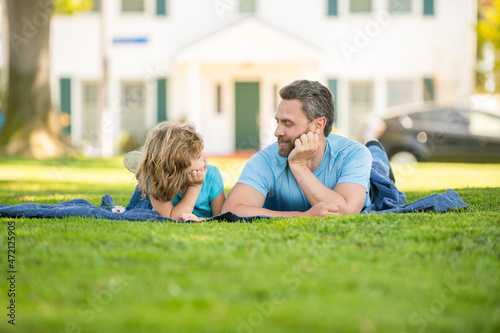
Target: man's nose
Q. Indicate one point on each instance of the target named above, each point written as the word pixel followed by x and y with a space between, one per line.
pixel 279 131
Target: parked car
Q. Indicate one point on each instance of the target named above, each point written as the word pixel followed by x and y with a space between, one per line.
pixel 433 133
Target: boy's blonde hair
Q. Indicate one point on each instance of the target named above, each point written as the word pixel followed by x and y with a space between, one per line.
pixel 166 157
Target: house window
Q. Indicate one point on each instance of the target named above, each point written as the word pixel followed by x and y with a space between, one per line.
pixel 65 86
pixel 276 97
pixel 332 85
pixel 360 105
pixel 332 8
pixel 161 99
pixel 400 6
pixel 247 6
pixel 400 92
pixel 218 92
pixel 132 6
pixel 96 6
pixel 91 134
pixel 161 7
pixel 429 7
pixel 360 6
pixel 133 111
pixel 429 91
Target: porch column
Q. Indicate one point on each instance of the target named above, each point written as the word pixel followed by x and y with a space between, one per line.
pixel 106 116
pixel 194 94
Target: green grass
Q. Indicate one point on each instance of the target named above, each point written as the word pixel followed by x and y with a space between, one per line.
pixel 419 272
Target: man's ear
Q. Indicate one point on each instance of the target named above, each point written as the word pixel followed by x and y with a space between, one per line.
pixel 319 125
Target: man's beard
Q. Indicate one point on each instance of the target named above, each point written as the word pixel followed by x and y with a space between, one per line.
pixel 285 150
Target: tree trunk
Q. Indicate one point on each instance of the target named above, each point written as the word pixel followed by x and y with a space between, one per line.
pixel 32 127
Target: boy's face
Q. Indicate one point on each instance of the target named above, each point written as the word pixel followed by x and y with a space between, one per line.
pixel 199 163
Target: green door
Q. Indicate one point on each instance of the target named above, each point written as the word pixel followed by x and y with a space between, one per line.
pixel 247 115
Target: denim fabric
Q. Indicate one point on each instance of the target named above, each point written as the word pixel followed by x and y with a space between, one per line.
pixel 386 198
pixel 137 202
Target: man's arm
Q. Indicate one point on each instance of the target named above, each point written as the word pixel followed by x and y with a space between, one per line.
pixel 349 197
pixel 243 200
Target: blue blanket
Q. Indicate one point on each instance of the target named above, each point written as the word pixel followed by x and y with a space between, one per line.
pixel 83 208
pixel 386 198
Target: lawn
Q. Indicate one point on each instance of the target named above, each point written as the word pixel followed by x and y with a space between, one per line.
pixel 419 272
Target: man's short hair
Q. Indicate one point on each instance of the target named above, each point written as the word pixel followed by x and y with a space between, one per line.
pixel 317 100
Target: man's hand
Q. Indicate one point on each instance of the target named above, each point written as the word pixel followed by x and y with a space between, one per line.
pixel 323 209
pixel 306 147
pixel 196 177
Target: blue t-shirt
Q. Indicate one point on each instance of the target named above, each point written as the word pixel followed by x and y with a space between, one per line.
pixel 345 161
pixel 211 188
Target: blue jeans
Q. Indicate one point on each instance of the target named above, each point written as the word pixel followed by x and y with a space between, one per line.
pixel 380 157
pixel 138 201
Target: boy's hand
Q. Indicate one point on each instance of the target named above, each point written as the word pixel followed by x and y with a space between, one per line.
pixel 190 217
pixel 196 177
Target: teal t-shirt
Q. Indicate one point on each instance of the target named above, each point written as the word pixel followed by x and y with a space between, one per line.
pixel 345 161
pixel 211 188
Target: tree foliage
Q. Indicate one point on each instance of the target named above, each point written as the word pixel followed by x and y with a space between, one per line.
pixel 70 7
pixel 488 33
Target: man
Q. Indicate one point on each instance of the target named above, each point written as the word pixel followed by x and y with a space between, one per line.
pixel 308 171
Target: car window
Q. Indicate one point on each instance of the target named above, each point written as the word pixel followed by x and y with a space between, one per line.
pixel 456 117
pixel 484 124
pixel 420 116
pixel 445 117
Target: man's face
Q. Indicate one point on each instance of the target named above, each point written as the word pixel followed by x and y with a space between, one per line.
pixel 291 124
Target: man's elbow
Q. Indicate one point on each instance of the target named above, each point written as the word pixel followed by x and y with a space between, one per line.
pixel 352 209
pixel 228 206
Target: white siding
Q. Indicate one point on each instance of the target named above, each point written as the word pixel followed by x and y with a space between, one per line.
pixel 292 39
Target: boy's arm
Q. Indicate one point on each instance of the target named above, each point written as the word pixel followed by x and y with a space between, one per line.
pixel 161 207
pixel 183 207
pixel 186 204
pixel 188 201
pixel 217 203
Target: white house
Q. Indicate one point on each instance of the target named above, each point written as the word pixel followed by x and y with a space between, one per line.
pixel 221 63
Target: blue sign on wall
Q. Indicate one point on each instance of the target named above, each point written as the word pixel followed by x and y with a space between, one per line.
pixel 130 40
